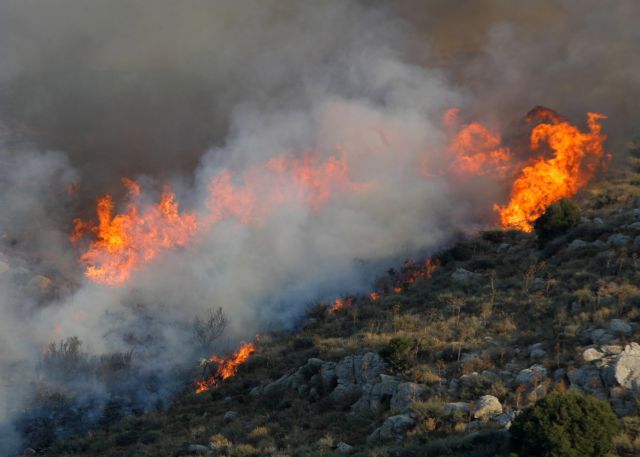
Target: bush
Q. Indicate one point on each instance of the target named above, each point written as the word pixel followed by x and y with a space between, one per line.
pixel 565 425
pixel 400 353
pixel 556 220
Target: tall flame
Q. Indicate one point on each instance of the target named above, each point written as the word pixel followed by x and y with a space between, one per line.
pixel 544 182
pixel 225 368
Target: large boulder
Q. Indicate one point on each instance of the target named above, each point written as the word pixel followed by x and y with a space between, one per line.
pixel 487 406
pixel 626 369
pixel 592 354
pixel 587 378
pixel 376 396
pixel 532 375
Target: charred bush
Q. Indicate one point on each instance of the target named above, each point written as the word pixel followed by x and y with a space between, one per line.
pixel 209 329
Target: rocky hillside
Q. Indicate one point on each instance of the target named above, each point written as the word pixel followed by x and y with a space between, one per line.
pixel 438 361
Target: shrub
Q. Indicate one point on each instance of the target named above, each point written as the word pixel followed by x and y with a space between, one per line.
pixel 400 353
pixel 556 220
pixel 565 425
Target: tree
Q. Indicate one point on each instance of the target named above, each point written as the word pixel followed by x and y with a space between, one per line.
pixel 207 330
pixel 565 425
pixel 557 219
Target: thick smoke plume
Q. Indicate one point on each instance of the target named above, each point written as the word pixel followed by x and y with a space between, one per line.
pixel 178 93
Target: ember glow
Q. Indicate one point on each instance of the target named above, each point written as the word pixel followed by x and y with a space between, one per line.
pixel 575 157
pixel 225 368
pixel 339 304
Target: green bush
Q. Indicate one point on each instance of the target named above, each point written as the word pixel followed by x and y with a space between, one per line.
pixel 565 425
pixel 557 219
pixel 400 353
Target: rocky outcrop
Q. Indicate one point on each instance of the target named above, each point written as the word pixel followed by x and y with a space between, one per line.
pixel 487 406
pixel 393 428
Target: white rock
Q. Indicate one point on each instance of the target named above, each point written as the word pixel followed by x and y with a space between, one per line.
pixel 487 405
pixel 591 355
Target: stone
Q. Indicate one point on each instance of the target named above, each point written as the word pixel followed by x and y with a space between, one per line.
pixel 394 427
pixel 375 396
pixel 458 407
pixel 346 394
pixel 627 367
pixel 343 448
pixel 504 420
pixel 618 240
pixel 611 349
pixel 620 327
pixel 465 277
pixel 486 406
pixel 587 378
pixel 405 394
pixel 532 375
pixel 229 416
pixel 601 336
pixel 328 376
pixel 559 374
pixel 591 355
pixel 577 244
pixel 197 449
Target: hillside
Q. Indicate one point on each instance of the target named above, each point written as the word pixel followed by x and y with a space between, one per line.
pixel 438 362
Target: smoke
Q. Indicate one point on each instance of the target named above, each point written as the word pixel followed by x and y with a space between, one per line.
pixel 175 93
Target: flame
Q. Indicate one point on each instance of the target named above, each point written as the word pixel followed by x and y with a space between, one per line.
pixel 226 368
pixel 374 296
pixel 339 304
pixel 478 151
pixel 544 182
pixel 124 242
pixel 134 237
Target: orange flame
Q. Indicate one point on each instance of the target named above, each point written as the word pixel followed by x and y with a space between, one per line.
pixel 125 242
pixel 226 368
pixel 340 303
pixel 374 296
pixel 544 182
pixel 478 151
pixel 137 236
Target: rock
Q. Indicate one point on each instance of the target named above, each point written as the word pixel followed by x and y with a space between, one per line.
pixel 611 349
pixel 197 449
pixel 458 407
pixel 600 336
pixel 587 378
pixel 598 221
pixel 618 239
pixel 229 416
pixel 532 375
pixel 503 247
pixel 627 367
pixel 591 355
pixel 375 396
pixel 559 374
pixel 346 394
pixel 395 427
pixel 536 352
pixel 620 327
pixel 405 394
pixel 486 406
pixel 343 448
pixel 328 376
pixel 577 244
pixel 465 277
pixel 361 369
pixel 504 420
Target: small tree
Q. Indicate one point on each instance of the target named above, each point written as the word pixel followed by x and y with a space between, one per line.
pixel 400 353
pixel 207 330
pixel 565 425
pixel 557 219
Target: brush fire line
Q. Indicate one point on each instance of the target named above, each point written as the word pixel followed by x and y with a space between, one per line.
pixel 220 369
pixel 562 160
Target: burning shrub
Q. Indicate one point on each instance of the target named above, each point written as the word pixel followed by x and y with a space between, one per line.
pixel 206 331
pixel 566 425
pixel 400 353
pixel 556 220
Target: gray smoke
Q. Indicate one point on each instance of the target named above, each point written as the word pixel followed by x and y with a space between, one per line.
pixel 172 92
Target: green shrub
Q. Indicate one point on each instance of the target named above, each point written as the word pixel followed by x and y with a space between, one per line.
pixel 557 219
pixel 565 425
pixel 400 353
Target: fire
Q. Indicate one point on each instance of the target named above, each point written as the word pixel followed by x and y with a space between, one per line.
pixel 225 368
pixel 478 151
pixel 374 296
pixel 575 157
pixel 124 241
pixel 339 304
